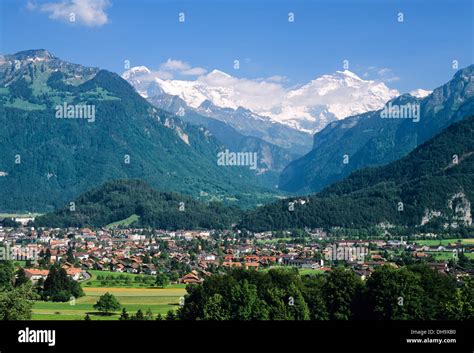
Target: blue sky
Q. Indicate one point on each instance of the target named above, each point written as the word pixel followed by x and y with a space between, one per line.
pixel 416 53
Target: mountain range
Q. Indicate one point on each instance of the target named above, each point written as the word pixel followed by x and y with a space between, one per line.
pixel 369 139
pixel 272 158
pixel 306 108
pixel 196 110
pixel 347 109
pixel 49 158
pixel 431 189
pixel 266 109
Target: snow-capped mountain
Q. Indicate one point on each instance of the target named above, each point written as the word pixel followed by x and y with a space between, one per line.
pixel 137 77
pixel 420 93
pixel 208 99
pixel 135 72
pixel 307 108
pixel 194 93
pixel 330 97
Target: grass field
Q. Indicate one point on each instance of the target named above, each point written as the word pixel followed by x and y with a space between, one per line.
pixel 157 300
pixel 431 242
pixel 448 255
pixel 124 222
pixel 14 215
pixel 94 282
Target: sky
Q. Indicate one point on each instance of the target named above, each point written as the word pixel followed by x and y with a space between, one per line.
pixel 417 52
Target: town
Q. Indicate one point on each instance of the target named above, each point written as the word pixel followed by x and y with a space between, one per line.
pixel 189 256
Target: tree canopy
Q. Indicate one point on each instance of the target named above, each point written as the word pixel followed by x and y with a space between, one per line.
pixel 409 293
pixel 107 303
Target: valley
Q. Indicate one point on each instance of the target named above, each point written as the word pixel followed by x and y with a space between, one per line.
pixel 236 176
pixel 137 202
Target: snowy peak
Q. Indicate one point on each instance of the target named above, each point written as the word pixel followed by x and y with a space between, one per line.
pixel 308 108
pixel 420 93
pixel 216 87
pixel 348 74
pixel 142 79
pixel 331 97
pixel 218 73
pixel 135 71
pixel 194 93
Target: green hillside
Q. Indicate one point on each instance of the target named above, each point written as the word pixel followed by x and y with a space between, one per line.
pixel 46 162
pixel 432 186
pixel 135 203
pixel 368 140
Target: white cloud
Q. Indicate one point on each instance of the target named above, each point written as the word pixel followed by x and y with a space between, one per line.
pixel 30 5
pixel 275 78
pixel 175 65
pixel 253 94
pixel 387 75
pixel 166 71
pixel 86 12
pixel 194 71
pixel 383 74
pixel 392 79
pixel 164 75
pixel 152 75
pixel 182 68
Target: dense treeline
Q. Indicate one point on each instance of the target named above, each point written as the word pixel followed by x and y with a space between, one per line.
pixel 432 158
pixel 400 192
pixel 18 293
pixel 117 200
pixel 59 287
pixel 409 293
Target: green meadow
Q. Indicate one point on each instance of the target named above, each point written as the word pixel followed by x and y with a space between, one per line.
pixel 158 300
pixel 126 280
pixel 448 255
pixel 124 222
pixel 444 242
